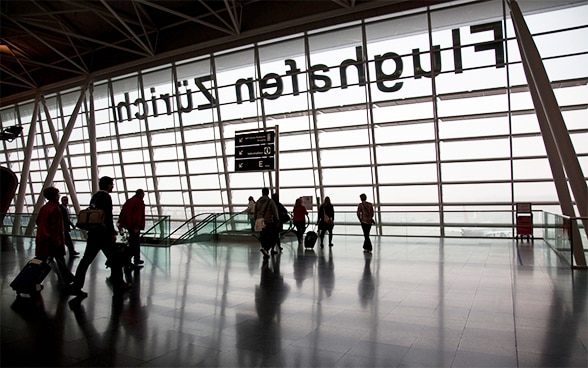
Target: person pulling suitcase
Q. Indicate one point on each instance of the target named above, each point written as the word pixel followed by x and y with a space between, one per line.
pixel 49 244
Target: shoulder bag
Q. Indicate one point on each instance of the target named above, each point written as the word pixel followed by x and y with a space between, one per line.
pixel 260 222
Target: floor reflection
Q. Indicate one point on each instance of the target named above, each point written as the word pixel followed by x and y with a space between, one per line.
pixel 413 302
pixel 367 287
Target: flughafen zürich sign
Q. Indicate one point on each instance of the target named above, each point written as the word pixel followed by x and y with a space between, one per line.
pixel 271 85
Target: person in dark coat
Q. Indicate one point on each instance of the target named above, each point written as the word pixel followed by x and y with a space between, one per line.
pixel 50 238
pixel 132 218
pixel 266 208
pixel 326 221
pixel 283 217
pixel 102 239
pixel 68 225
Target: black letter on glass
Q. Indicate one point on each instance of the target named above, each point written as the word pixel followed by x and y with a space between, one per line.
pixel 314 78
pixel 416 62
pixel 293 72
pixel 496 44
pixel 188 97
pixel 141 102
pixel 457 63
pixel 277 84
pixel 205 92
pixel 358 64
pixel 124 105
pixel 381 77
pixel 247 82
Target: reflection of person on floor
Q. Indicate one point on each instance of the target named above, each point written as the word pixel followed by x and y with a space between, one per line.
pixel 366 288
pixel 50 238
pixel 269 295
pixel 133 317
pixel 271 292
pixel 45 352
pixel 326 273
pixel 303 264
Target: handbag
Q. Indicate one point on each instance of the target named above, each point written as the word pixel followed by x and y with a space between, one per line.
pixel 260 222
pixel 90 219
pixel 327 219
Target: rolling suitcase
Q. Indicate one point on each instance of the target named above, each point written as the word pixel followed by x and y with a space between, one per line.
pixel 310 239
pixel 29 280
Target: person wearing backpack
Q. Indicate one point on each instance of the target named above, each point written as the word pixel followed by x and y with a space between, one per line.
pixel 266 215
pixel 284 218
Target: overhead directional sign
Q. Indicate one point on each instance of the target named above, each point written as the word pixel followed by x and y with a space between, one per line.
pixel 249 139
pixel 255 151
pixel 254 164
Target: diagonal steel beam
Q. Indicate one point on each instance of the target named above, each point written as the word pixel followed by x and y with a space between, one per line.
pixel 34 35
pixel 185 16
pixel 137 8
pixel 215 13
pixel 65 26
pixel 90 39
pixel 233 8
pixel 17 76
pixel 133 36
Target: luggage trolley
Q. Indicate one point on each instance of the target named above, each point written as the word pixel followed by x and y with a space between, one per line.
pixel 524 218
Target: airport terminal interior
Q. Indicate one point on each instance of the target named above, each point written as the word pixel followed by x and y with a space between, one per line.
pixel 464 122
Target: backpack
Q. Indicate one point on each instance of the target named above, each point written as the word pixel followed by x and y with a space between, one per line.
pixel 283 214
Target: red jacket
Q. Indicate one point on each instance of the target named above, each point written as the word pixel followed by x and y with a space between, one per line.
pixel 50 240
pixel 299 213
pixel 132 214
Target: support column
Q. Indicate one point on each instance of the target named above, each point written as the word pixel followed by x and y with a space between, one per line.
pixel 551 123
pixel 58 156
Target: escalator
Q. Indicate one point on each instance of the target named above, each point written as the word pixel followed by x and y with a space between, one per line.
pixel 205 227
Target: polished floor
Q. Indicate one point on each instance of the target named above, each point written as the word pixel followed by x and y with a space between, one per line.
pixel 412 303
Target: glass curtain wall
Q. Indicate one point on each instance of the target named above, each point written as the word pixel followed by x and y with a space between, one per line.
pixel 427 112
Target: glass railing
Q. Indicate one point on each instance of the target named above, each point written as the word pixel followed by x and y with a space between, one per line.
pixel 475 224
pixel 157 231
pixel 201 225
pixel 233 224
pixel 490 224
pixel 557 232
pixel 16 224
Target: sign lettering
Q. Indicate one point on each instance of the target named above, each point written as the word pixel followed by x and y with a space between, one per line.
pixel 200 93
